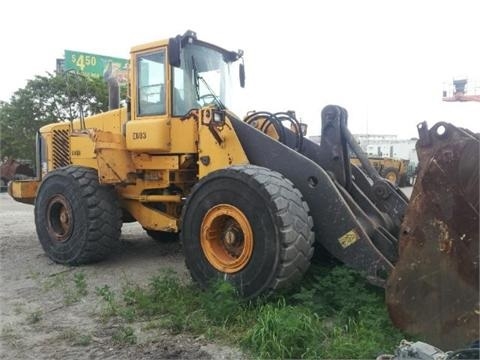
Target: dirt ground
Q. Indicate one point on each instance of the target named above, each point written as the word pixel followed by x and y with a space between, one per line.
pixel 39 322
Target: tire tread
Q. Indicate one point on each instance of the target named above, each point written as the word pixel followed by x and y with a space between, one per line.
pixel 104 216
pixel 291 215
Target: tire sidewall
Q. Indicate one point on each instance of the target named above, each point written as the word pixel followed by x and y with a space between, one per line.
pixel 60 182
pixel 255 203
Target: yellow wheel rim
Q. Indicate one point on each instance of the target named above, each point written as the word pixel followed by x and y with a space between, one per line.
pixel 226 238
pixel 392 177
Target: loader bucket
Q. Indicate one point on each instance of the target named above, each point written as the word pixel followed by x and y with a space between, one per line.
pixel 433 291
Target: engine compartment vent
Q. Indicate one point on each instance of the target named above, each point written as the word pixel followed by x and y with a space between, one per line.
pixel 60 148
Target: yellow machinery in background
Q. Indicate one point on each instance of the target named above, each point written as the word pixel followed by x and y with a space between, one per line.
pixel 394 170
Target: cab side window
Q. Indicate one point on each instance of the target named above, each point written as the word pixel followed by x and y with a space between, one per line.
pixel 151 83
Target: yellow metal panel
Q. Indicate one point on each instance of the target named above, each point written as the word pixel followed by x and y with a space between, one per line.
pixel 104 151
pixel 146 161
pixel 148 134
pixel 149 46
pixel 55 126
pixel 91 163
pixel 108 121
pixel 184 135
pixel 214 155
pixel 149 218
pixel 115 163
pixel 23 191
pixel 82 149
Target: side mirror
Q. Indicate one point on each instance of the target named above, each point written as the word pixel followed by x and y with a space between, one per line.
pixel 174 47
pixel 241 70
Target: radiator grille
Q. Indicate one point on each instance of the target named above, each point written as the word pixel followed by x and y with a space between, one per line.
pixel 60 148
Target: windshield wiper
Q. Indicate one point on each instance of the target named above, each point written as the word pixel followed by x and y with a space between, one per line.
pixel 196 78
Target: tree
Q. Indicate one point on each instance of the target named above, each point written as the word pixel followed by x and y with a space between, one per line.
pixel 44 100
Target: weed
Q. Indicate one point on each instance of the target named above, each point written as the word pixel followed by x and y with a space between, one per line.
pixel 152 324
pixel 68 334
pixel 284 331
pixel 221 303
pixel 54 282
pixel 75 338
pixel 124 335
pixel 105 293
pixel 353 313
pixel 34 317
pixel 80 284
pixel 34 275
pixel 73 295
pixel 70 294
pixel 336 314
pixel 83 340
pixel 111 308
pixel 127 313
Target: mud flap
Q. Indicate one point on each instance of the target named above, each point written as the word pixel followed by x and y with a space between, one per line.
pixel 433 291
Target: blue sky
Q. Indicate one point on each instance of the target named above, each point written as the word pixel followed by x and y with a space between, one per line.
pixel 386 62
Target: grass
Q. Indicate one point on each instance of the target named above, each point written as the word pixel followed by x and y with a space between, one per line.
pixel 75 337
pixel 124 335
pixel 80 284
pixel 73 289
pixel 284 331
pixel 335 314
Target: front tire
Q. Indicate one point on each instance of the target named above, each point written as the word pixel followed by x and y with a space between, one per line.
pixel 78 220
pixel 391 174
pixel 248 225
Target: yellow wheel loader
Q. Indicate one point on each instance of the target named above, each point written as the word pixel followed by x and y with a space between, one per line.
pixel 253 199
pixel 394 170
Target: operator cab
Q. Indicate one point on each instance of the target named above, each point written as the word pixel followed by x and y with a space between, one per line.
pixel 200 74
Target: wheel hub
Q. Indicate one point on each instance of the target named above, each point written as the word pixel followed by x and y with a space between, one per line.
pixel 391 177
pixel 226 238
pixel 59 218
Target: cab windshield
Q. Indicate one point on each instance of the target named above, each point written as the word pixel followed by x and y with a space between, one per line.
pixel 203 78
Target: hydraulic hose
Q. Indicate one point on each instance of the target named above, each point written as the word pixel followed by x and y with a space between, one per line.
pixel 276 120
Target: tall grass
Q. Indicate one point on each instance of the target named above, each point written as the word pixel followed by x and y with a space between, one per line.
pixel 335 314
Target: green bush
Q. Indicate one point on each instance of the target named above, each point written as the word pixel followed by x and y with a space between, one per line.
pixel 284 331
pixel 336 314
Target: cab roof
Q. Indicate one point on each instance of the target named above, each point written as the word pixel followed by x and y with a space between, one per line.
pixel 148 46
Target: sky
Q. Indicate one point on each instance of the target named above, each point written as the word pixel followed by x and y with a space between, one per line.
pixel 386 62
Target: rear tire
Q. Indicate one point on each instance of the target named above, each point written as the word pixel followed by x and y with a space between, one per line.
pixel 248 225
pixel 404 181
pixel 78 220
